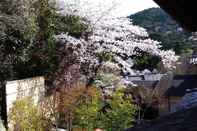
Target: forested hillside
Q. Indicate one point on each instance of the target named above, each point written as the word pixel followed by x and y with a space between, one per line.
pixel 162 27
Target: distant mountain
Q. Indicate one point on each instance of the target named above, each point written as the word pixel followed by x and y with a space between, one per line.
pixel 163 28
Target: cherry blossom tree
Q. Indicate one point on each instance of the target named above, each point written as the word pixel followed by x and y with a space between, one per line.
pixel 116 38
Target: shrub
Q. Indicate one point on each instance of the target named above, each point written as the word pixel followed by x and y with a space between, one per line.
pixel 116 114
pixel 25 116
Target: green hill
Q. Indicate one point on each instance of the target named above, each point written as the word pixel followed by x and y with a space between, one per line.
pixel 163 28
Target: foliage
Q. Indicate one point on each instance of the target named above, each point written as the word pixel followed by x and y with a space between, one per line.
pixel 68 100
pixel 122 112
pixel 146 61
pixel 147 101
pixel 86 108
pixel 87 111
pixel 117 114
pixel 108 82
pixel 107 78
pixel 163 28
pixel 73 25
pixel 28 47
pixel 24 115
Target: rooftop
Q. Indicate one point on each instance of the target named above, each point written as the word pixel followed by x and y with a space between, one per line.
pixel 183 120
pixel 147 80
pixel 146 84
pixel 180 85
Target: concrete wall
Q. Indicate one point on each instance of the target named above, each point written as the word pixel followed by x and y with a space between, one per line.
pixel 32 87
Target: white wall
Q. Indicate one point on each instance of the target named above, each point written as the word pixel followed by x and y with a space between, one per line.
pixel 32 87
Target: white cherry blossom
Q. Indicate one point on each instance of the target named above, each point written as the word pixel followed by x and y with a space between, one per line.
pixel 111 35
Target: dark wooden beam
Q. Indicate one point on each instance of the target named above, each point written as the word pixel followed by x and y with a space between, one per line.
pixel 3 105
pixel 183 11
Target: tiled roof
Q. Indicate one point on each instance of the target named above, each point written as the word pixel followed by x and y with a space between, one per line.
pixel 146 84
pixel 147 80
pixel 147 77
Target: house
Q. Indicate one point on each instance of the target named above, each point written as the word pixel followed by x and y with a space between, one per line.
pixel 186 65
pixel 173 96
pixel 179 106
pixel 164 92
pixel 183 11
pixel 146 80
pixel 139 84
pixel 142 92
pixel 193 60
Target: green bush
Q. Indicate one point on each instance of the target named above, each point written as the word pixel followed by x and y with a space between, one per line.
pixel 145 61
pixel 27 30
pixel 115 114
pixel 25 116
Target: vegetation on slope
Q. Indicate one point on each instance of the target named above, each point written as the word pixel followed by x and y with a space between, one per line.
pixel 163 28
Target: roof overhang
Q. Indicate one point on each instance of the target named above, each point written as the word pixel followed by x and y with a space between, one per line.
pixel 183 11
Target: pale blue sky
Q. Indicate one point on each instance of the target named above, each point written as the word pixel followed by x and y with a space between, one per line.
pixel 123 7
